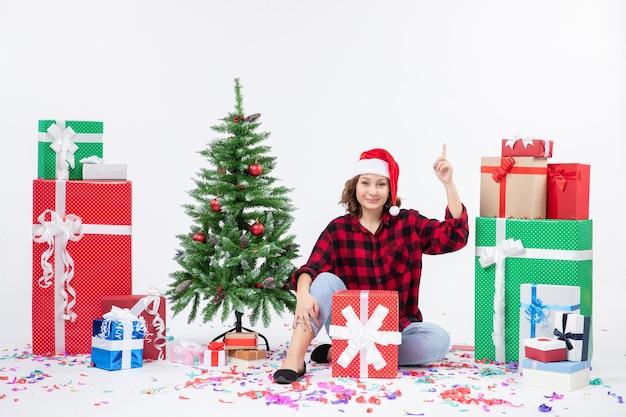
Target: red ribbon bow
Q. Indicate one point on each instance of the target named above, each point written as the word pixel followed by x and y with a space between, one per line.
pixel 216 346
pixel 505 166
pixel 557 176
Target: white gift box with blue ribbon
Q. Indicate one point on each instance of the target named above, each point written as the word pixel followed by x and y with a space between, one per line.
pixel 538 307
pixel 117 341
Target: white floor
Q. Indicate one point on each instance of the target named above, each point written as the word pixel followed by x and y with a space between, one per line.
pixel 68 386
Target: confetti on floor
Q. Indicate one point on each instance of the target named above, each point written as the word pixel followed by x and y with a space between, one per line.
pixel 456 384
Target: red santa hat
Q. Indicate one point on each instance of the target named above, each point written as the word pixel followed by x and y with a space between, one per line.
pixel 380 162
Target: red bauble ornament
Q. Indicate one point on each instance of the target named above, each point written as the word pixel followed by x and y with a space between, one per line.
pixel 259 285
pixel 199 237
pixel 255 169
pixel 241 187
pixel 236 119
pixel 257 229
pixel 215 205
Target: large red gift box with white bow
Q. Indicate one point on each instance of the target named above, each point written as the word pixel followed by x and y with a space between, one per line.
pixel 364 333
pixel 81 253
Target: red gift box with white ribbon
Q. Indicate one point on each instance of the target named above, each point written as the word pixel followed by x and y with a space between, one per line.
pixel 525 146
pixel 150 307
pixel 81 252
pixel 364 333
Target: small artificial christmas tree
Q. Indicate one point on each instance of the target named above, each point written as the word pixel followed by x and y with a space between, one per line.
pixel 239 253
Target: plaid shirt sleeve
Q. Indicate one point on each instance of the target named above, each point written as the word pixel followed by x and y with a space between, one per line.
pixel 444 237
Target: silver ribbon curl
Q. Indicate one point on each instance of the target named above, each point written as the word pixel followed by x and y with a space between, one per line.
pixel 150 304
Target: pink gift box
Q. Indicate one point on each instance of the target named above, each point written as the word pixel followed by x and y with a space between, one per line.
pixel 187 353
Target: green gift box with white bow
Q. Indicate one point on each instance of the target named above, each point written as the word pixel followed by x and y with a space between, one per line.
pixel 511 252
pixel 63 143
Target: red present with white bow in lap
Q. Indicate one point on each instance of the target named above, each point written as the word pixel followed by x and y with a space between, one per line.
pixel 364 333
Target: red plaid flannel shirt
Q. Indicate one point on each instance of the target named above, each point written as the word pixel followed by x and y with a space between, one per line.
pixel 391 259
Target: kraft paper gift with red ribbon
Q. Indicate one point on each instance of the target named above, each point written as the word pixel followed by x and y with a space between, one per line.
pixel 187 352
pixel 568 191
pixel 364 333
pixel 241 340
pixel 81 251
pixel 513 187
pixel 215 354
pixel 150 307
pixel 248 354
pixel 526 146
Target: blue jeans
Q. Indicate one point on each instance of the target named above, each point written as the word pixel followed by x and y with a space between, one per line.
pixel 422 343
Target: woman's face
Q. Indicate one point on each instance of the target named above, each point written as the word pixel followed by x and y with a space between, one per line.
pixel 372 191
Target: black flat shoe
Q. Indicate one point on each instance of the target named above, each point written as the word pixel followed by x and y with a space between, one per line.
pixel 287 376
pixel 320 354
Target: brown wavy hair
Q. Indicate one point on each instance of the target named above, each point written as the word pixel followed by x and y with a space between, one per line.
pixel 351 204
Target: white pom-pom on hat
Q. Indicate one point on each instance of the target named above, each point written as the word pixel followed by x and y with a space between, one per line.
pixel 380 162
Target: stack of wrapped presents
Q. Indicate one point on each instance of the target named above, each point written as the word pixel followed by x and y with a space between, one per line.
pixel 82 299
pixel 533 264
pixel 239 345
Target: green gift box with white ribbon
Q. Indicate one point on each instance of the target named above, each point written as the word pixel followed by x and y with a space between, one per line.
pixel 63 143
pixel 511 252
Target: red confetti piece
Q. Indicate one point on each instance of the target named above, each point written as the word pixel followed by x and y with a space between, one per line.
pixel 182 397
pixel 463 347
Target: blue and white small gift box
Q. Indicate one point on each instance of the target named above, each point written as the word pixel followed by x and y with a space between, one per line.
pixel 117 340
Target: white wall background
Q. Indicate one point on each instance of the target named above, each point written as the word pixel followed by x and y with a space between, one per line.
pixel 331 79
